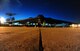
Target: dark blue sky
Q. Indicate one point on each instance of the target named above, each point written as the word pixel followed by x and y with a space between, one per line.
pixel 68 10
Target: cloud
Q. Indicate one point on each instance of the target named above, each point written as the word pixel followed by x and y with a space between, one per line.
pixel 19 2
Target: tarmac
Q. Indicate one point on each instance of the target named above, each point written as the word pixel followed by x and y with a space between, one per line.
pixel 39 39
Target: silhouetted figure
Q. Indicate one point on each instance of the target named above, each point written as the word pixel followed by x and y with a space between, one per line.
pixel 39 25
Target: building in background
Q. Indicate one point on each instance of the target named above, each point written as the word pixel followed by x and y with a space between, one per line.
pixel 41 21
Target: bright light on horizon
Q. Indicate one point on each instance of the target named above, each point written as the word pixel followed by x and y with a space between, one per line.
pixel 2 20
pixel 74 25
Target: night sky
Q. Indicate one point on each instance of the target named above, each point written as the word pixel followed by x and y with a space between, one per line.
pixel 68 10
